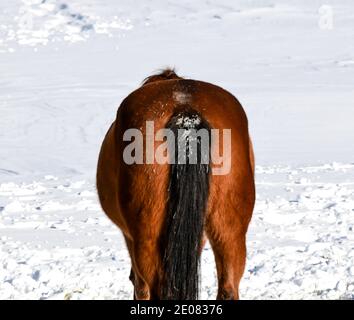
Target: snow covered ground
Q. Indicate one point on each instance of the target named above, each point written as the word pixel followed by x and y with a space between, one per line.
pixel 65 67
pixel 56 243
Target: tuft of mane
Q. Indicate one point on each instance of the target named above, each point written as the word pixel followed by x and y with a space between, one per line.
pixel 164 74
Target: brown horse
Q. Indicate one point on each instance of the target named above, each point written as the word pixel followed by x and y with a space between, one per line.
pixel 166 211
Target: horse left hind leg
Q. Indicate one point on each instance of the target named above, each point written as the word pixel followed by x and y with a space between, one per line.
pixel 145 271
pixel 132 276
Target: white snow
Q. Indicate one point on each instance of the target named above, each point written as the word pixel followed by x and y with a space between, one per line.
pixel 66 66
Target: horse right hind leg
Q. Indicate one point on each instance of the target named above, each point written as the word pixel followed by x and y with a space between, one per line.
pixel 228 241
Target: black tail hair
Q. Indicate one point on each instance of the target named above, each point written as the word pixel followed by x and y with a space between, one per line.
pixel 188 192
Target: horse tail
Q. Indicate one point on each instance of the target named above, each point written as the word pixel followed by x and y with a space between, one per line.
pixel 188 192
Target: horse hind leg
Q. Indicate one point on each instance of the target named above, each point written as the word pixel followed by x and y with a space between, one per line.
pixel 142 290
pixel 228 242
pixel 141 287
pixel 132 277
pixel 146 273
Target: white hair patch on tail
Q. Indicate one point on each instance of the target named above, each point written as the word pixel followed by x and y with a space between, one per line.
pixel 188 121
